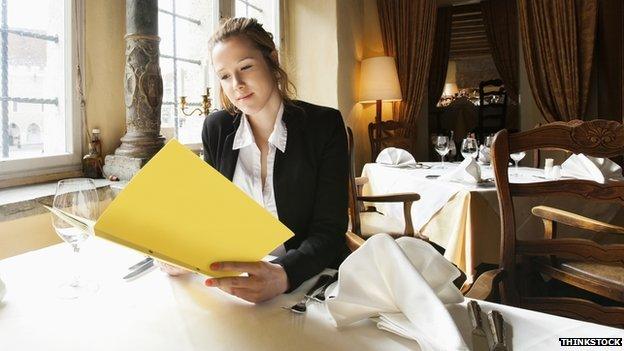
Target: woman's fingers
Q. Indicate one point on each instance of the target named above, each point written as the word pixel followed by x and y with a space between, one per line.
pixel 234 282
pixel 248 267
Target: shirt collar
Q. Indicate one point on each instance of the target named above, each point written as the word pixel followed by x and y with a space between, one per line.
pixel 244 136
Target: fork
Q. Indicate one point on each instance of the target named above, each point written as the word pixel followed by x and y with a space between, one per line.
pixel 320 296
pixel 301 307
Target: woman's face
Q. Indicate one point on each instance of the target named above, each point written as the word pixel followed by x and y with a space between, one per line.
pixel 244 75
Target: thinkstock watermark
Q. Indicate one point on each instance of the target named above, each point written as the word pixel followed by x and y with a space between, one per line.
pixel 600 342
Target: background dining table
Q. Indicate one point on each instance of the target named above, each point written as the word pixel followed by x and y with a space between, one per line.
pixel 463 217
pixel 157 312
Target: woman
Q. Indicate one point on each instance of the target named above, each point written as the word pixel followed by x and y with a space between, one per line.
pixel 289 156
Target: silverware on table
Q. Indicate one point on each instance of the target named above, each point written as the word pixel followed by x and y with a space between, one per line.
pixel 140 268
pixel 301 306
pixel 139 264
pixel 479 340
pixel 497 327
pixel 320 296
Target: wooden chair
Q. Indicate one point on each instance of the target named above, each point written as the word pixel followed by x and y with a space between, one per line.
pixel 538 153
pixel 584 264
pixel 388 134
pixel 369 222
pixel 492 108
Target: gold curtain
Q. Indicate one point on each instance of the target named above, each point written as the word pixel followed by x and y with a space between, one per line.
pixel 440 55
pixel 501 24
pixel 408 30
pixel 558 38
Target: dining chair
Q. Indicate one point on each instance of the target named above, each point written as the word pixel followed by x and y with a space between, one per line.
pixel 492 107
pixel 389 134
pixel 587 267
pixel 367 222
pixel 538 154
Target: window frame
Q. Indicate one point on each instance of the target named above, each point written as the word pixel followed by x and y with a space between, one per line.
pixel 74 56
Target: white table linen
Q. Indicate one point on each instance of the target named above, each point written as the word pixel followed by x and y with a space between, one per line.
pixel 393 156
pixel 157 312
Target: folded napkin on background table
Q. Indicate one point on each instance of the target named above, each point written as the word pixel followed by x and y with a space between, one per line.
pixel 387 278
pixel 591 168
pixel 484 154
pixel 392 156
pixel 468 171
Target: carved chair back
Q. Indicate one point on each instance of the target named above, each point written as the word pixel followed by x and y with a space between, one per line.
pixel 492 108
pixel 387 134
pixel 598 138
pixel 355 206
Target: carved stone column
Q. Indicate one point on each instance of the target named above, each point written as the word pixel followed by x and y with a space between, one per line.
pixel 143 89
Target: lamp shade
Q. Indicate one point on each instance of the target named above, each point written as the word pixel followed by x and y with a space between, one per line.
pixel 379 80
pixel 450 89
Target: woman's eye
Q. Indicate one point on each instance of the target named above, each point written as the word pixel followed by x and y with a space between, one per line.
pixel 245 67
pixel 225 76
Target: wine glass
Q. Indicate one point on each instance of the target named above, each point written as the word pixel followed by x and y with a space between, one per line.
pixel 488 141
pixel 442 147
pixel 469 148
pixel 517 156
pixel 77 197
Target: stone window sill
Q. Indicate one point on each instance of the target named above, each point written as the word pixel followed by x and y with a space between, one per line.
pixel 23 201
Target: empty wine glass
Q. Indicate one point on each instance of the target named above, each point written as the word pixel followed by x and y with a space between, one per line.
pixel 517 156
pixel 488 141
pixel 469 148
pixel 77 197
pixel 442 147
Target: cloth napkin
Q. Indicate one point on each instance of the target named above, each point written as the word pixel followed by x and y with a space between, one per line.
pixel 468 171
pixel 392 156
pixel 591 168
pixel 484 154
pixel 406 284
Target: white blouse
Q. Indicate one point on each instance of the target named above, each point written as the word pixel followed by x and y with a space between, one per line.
pixel 247 174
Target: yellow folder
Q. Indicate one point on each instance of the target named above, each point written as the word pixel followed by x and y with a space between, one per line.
pixel 182 211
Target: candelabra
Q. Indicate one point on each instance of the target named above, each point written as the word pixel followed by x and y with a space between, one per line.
pixel 205 105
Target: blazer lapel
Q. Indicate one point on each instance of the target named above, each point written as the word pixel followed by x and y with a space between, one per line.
pixel 229 157
pixel 293 119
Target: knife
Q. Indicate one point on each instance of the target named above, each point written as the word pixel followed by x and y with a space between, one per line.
pixel 139 264
pixel 479 341
pixel 497 326
pixel 140 270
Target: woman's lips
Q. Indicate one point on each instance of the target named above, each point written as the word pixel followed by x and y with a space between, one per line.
pixel 244 97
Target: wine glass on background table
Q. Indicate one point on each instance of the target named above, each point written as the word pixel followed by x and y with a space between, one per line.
pixel 517 156
pixel 77 197
pixel 442 147
pixel 469 148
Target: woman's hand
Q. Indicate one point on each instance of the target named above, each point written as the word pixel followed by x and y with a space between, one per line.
pixel 265 280
pixel 171 270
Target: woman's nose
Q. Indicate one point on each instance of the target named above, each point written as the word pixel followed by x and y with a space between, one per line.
pixel 238 82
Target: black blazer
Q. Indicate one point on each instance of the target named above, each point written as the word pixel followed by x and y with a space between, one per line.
pixel 309 180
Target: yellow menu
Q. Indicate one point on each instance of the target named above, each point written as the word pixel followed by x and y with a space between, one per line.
pixel 180 210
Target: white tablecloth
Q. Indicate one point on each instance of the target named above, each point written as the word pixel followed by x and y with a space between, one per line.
pixel 156 312
pixel 464 218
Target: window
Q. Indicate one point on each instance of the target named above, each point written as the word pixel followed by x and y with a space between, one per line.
pixel 184 27
pixel 39 122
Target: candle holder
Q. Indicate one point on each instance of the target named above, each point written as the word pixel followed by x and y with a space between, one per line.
pixel 203 110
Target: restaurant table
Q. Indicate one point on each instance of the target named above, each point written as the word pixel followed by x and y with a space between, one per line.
pixel 158 312
pixel 464 218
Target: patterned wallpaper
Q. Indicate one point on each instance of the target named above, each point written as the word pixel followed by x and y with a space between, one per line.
pixel 471 71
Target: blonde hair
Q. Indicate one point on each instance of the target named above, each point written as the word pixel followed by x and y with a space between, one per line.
pixel 262 40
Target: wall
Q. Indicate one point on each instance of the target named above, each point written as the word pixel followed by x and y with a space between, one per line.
pixel 104 59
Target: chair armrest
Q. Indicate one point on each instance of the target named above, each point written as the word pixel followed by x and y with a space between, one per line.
pixel 484 287
pixel 406 198
pixel 399 197
pixel 547 213
pixel 359 181
pixel 353 241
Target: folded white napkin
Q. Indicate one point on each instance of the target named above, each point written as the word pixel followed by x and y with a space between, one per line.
pixel 408 277
pixel 591 168
pixel 468 171
pixel 484 154
pixel 392 156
